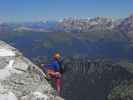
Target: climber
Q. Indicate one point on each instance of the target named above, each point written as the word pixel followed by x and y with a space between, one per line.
pixel 55 70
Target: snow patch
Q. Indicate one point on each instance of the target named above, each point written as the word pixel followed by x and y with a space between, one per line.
pixel 6 71
pixel 40 96
pixel 5 52
pixel 8 96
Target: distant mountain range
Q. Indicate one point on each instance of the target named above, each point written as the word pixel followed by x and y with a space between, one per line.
pixel 98 23
pixel 99 27
pixel 72 24
pixel 27 26
pixel 86 25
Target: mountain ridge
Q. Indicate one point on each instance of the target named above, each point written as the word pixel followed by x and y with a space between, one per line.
pixel 75 24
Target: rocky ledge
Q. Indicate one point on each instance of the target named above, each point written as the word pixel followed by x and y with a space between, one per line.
pixel 20 79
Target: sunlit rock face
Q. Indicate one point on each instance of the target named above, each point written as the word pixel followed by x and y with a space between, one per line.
pixel 20 79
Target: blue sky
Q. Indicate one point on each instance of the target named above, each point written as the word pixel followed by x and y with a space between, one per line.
pixel 35 10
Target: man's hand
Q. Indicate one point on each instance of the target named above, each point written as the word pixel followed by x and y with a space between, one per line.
pixel 42 65
pixel 58 74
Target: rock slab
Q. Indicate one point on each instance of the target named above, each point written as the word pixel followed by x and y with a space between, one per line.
pixel 20 79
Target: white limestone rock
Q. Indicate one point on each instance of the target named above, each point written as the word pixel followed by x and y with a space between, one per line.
pixel 20 79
